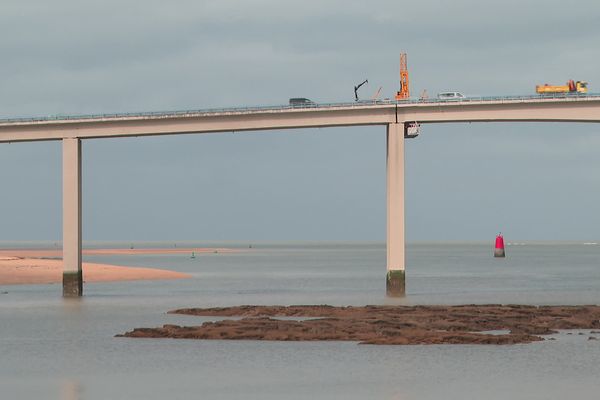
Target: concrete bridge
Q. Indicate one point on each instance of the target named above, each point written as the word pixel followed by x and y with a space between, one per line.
pixel 394 115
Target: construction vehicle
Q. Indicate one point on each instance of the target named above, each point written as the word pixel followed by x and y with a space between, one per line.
pixel 570 87
pixel 403 93
pixel 358 87
pixel 411 129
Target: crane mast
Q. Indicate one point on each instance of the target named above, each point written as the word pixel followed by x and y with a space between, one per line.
pixel 403 93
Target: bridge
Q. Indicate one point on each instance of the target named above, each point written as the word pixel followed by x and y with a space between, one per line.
pixel 395 115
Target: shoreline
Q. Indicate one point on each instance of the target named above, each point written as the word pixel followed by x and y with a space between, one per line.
pixel 57 253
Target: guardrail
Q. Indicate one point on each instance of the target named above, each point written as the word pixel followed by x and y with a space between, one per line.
pixel 275 108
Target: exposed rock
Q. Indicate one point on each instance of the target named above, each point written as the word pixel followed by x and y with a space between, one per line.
pixel 381 324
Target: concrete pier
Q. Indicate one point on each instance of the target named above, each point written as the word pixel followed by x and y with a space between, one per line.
pixel 72 273
pixel 395 280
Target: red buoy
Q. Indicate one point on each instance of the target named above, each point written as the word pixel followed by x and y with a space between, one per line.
pixel 499 250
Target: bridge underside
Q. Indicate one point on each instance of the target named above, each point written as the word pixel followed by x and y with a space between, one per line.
pixel 72 223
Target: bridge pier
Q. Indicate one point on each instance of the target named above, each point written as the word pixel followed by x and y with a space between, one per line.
pixel 72 272
pixel 395 280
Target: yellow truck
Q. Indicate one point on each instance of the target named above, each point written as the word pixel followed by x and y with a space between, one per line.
pixel 570 87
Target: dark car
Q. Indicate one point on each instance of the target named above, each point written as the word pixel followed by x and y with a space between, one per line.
pixel 301 101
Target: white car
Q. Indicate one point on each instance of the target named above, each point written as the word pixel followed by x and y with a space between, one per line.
pixel 450 95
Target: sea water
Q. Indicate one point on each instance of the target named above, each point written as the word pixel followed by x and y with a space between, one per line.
pixel 52 348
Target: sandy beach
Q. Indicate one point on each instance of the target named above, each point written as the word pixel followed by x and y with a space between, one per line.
pixel 43 266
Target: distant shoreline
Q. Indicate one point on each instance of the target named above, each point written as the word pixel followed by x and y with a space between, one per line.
pixel 57 253
pixel 45 266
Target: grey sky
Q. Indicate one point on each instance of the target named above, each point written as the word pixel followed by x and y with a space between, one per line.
pixel 464 181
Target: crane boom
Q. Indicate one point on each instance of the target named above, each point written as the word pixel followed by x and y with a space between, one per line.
pixel 358 87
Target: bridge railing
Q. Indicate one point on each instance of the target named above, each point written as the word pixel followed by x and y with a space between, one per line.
pixel 285 107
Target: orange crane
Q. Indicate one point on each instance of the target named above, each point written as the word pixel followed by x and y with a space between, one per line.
pixel 403 93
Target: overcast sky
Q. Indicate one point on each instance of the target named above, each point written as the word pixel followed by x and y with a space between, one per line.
pixel 463 181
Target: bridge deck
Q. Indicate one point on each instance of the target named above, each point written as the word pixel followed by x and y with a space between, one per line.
pixel 547 108
pixel 567 97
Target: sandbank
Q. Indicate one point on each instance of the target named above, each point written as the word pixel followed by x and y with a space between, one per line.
pixel 38 266
pixel 15 271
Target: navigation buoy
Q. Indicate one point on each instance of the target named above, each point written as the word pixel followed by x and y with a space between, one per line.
pixel 193 255
pixel 499 250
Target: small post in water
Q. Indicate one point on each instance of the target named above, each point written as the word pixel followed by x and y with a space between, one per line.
pixel 499 250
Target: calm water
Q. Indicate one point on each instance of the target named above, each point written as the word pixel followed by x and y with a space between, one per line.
pixel 51 348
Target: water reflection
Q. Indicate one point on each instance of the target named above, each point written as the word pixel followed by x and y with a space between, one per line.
pixel 67 346
pixel 71 390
